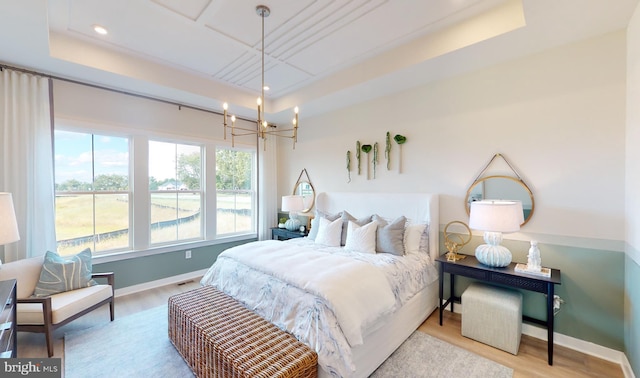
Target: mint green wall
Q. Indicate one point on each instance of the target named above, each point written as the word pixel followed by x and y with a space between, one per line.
pixel 632 307
pixel 155 267
pixel 592 288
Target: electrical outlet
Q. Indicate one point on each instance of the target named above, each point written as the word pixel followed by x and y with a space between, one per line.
pixel 187 254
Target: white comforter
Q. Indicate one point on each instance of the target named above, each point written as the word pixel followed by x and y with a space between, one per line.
pixel 327 297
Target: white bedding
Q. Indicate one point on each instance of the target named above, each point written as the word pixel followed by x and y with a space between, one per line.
pixel 332 316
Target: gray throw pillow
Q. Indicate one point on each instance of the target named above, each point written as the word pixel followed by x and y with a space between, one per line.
pixel 64 273
pixel 346 217
pixel 315 222
pixel 390 236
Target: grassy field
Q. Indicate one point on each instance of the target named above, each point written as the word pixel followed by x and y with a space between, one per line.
pixel 74 218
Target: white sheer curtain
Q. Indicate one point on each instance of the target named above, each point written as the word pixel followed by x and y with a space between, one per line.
pixel 267 189
pixel 27 161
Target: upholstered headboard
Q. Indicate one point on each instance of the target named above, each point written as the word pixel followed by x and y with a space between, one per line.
pixel 417 207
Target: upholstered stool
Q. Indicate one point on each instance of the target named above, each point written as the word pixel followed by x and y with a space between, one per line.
pixel 493 316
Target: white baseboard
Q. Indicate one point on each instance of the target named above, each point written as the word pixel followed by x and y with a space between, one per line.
pixel 191 276
pixel 582 346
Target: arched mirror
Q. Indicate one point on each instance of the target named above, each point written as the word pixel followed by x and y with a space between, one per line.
pixel 304 188
pixel 501 187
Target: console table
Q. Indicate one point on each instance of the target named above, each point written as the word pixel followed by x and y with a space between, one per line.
pixel 8 336
pixel 507 276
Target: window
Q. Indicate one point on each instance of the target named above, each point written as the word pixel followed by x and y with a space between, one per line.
pixel 175 179
pixel 92 192
pixel 234 191
pixel 103 201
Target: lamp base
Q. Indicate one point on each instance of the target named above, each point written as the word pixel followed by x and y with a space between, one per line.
pixel 493 255
pixel 292 224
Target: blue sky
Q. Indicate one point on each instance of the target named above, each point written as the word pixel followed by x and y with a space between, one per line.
pixel 73 156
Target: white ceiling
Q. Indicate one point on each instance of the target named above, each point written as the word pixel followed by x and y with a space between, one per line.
pixel 319 54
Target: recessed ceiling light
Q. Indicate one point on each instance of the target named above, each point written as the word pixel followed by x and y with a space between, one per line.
pixel 100 29
pixel 266 87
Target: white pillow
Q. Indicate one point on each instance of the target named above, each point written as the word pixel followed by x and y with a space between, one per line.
pixel 412 236
pixel 361 238
pixel 329 232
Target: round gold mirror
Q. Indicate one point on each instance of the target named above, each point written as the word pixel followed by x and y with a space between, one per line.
pixel 308 193
pixel 502 187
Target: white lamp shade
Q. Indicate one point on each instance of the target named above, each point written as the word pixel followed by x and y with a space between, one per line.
pixel 8 224
pixel 496 215
pixel 292 203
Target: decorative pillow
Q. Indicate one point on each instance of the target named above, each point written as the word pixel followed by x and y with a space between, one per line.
pixel 346 217
pixel 390 238
pixel 315 222
pixel 424 241
pixel 64 273
pixel 361 238
pixel 412 237
pixel 329 232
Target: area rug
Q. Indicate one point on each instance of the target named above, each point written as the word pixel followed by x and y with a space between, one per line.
pixel 138 346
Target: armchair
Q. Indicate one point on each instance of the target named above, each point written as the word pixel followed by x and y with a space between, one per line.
pixel 44 315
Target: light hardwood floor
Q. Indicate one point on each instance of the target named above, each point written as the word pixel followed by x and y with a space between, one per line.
pixel 531 360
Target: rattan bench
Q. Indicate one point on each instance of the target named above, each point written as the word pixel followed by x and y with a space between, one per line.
pixel 218 337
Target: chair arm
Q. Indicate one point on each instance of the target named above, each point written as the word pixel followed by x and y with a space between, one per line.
pixel 46 306
pixel 110 276
pixel 42 300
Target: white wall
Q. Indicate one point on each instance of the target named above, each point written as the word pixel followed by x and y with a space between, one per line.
pixel 558 117
pixel 632 198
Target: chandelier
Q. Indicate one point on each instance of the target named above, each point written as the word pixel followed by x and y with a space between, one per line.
pixel 263 128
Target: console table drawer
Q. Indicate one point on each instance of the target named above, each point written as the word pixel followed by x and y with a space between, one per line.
pixel 465 271
pixel 519 282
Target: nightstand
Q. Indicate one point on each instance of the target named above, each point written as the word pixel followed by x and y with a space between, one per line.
pixel 8 337
pixel 284 234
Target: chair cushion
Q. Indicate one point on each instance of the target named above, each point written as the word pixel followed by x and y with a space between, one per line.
pixel 64 273
pixel 25 271
pixel 64 305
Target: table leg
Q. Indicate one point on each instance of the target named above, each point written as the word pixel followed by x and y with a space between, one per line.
pixel 441 290
pixel 550 294
pixel 451 294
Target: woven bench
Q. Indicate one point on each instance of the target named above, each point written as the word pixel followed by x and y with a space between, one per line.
pixel 493 316
pixel 218 337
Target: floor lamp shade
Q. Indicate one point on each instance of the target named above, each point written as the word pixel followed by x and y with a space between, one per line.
pixel 8 224
pixel 495 217
pixel 292 204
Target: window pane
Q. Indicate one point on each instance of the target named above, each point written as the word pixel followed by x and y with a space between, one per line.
pixel 189 223
pixel 235 198
pixel 74 223
pixel 234 212
pixel 112 221
pixel 111 163
pixel 73 161
pixel 162 166
pixel 164 217
pixel 189 167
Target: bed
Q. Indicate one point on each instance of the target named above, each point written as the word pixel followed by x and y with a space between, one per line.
pixel 353 307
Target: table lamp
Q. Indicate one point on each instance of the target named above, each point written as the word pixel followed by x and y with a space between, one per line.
pixel 292 204
pixel 8 224
pixel 495 217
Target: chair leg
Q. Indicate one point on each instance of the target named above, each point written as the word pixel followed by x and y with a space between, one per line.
pixel 49 336
pixel 111 308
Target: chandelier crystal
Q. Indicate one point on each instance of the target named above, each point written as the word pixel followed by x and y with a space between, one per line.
pixel 263 128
